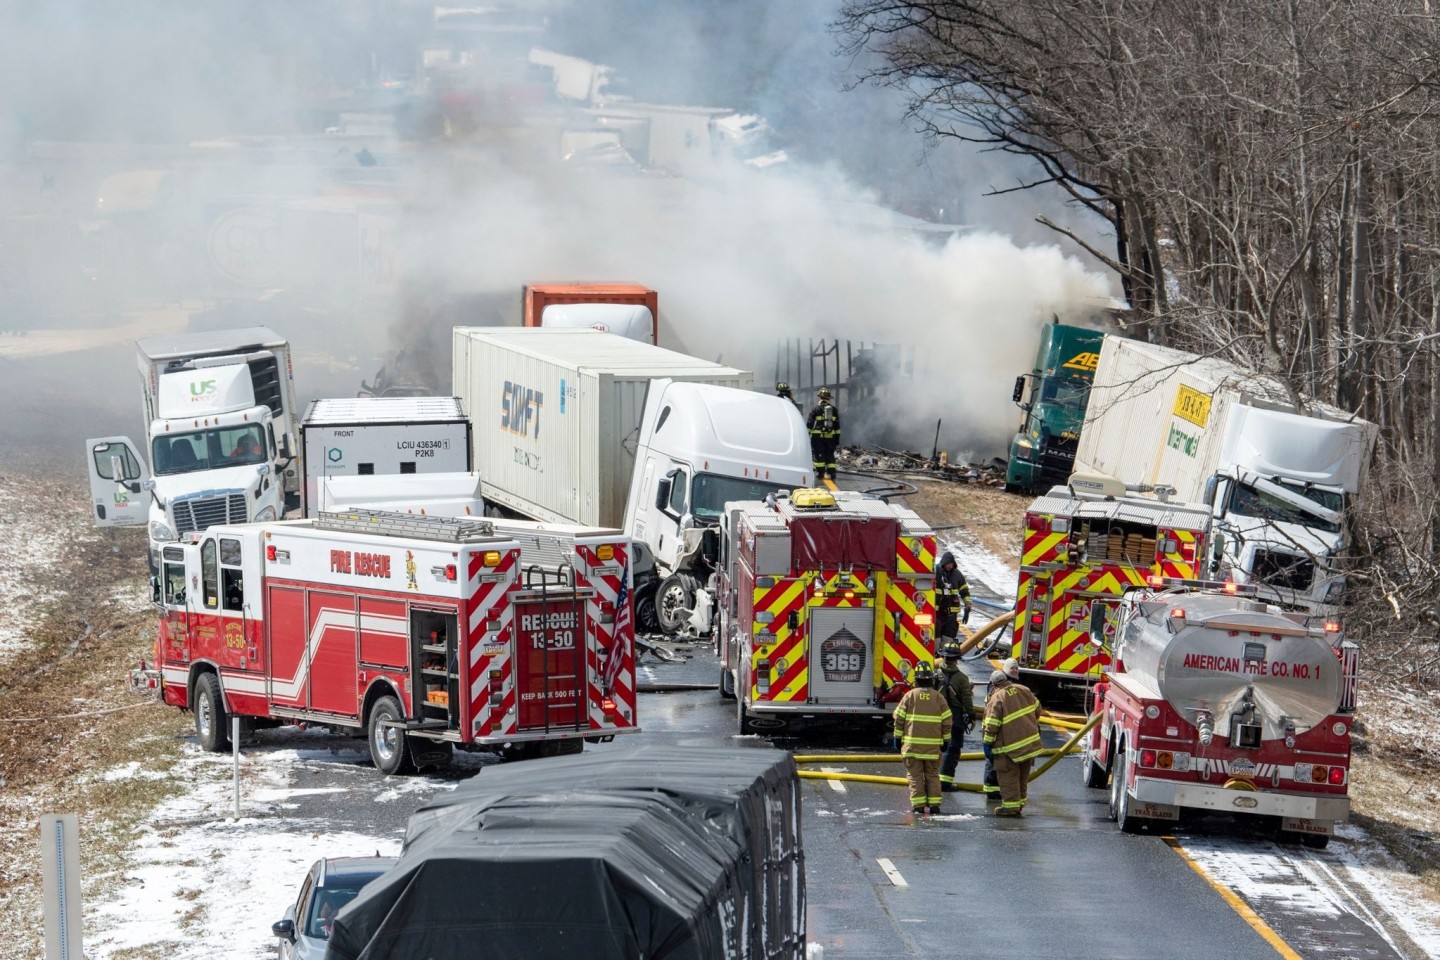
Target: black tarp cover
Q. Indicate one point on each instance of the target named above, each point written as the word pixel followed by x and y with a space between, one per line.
pixel 645 852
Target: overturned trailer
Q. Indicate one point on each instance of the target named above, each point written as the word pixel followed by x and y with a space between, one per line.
pixel 655 852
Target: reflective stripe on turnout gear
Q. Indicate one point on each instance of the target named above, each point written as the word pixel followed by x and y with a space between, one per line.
pixel 922 723
pixel 1012 722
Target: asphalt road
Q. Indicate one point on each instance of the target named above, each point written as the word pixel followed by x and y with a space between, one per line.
pixel 1062 882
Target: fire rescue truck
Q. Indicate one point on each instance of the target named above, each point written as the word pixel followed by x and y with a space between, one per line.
pixel 826 603
pixel 422 633
pixel 1095 538
pixel 1222 703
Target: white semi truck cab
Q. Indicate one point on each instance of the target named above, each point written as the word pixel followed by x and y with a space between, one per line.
pixel 220 443
pixel 700 446
pixel 1279 496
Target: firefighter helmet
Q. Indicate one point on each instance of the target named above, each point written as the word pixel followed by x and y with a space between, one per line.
pixel 924 673
pixel 782 387
pixel 823 393
pixel 950 650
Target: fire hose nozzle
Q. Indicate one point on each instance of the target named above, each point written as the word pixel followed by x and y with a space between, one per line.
pixel 1206 725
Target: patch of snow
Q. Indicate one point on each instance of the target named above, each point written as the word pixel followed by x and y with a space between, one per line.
pixel 981 566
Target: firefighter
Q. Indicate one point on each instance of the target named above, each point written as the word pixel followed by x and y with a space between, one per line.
pixel 824 425
pixel 960 697
pixel 952 591
pixel 922 730
pixel 1011 734
pixel 782 389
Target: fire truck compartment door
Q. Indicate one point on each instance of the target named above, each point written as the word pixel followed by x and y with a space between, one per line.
pixel 868 544
pixel 842 654
pixel 549 664
pixel 333 645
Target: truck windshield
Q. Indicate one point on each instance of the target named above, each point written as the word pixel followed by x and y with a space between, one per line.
pixel 1250 502
pixel 208 449
pixel 1065 393
pixel 710 492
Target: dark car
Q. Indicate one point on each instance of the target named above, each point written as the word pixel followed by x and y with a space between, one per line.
pixel 328 887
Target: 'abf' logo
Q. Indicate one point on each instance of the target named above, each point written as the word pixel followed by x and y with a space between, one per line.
pixel 334 454
pixel 1083 361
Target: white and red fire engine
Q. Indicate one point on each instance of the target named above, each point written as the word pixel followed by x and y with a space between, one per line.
pixel 1093 540
pixel 1222 703
pixel 826 602
pixel 423 633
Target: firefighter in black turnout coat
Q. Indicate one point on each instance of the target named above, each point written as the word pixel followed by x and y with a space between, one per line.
pixel 824 425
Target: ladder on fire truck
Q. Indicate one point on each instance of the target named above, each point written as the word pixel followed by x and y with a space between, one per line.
pixel 391 524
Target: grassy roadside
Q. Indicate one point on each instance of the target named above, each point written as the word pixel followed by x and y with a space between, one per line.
pixel 72 737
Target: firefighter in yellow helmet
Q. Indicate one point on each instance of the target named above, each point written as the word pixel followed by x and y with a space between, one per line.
pixel 1011 734
pixel 782 389
pixel 824 426
pixel 922 730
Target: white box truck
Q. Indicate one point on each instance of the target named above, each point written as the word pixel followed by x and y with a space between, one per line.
pixel 221 440
pixel 580 426
pixel 381 436
pixel 1277 478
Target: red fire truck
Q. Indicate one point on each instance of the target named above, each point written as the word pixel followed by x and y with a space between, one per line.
pixel 1223 703
pixel 422 633
pixel 826 603
pixel 1093 539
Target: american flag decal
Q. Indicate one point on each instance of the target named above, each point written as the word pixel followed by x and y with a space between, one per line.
pixel 616 655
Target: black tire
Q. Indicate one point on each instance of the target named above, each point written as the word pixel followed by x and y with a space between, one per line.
pixel 562 748
pixel 1120 798
pixel 646 620
pixel 212 723
pixel 673 603
pixel 1092 772
pixel 389 747
pixel 742 716
pixel 1315 841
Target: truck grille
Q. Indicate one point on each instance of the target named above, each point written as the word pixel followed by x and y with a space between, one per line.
pixel 1057 460
pixel 1287 570
pixel 201 513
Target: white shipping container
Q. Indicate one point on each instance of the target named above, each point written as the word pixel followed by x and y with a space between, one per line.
pixel 556 413
pixel 380 436
pixel 1158 415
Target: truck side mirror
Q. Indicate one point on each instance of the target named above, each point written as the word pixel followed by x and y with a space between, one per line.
pixel 1099 620
pixel 1019 388
pixel 154 589
pixel 662 491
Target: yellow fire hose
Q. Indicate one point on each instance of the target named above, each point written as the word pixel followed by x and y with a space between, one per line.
pixel 997 624
pixel 1054 754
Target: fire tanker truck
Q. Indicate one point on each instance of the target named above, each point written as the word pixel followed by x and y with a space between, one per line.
pixel 1222 703
pixel 826 603
pixel 422 633
pixel 1094 539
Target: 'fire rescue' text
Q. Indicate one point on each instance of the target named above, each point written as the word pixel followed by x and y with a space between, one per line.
pixel 360 564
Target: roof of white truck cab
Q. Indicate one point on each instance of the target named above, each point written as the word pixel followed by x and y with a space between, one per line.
pixel 594 351
pixel 361 410
pixel 736 424
pixel 209 343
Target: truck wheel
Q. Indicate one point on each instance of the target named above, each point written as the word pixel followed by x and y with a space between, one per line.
pixel 389 747
pixel 1315 841
pixel 742 716
pixel 1117 777
pixel 673 603
pixel 1121 802
pixel 1091 771
pixel 211 721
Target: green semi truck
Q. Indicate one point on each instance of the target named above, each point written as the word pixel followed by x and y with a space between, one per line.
pixel 1042 453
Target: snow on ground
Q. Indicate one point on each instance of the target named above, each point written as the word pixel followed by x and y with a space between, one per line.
pixel 200 883
pixel 34 531
pixel 980 566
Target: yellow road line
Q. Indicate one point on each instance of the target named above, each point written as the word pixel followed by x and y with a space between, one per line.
pixel 830 484
pixel 1238 905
